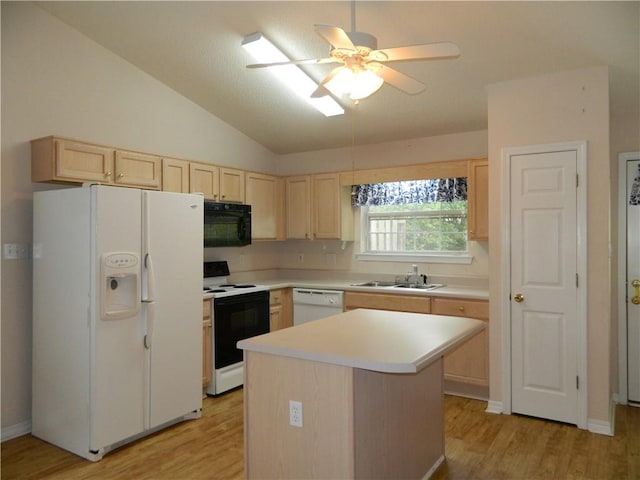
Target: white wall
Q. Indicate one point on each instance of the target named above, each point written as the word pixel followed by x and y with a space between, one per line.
pixel 562 107
pixel 56 81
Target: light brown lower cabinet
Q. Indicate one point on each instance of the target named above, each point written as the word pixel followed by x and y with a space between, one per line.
pixel 207 325
pixel 383 301
pixel 469 363
pixel 280 309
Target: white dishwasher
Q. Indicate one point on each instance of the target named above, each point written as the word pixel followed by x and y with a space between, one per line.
pixel 312 304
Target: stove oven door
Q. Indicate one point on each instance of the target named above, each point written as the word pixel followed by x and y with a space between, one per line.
pixel 235 318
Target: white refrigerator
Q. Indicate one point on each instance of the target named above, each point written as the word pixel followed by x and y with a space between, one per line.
pixel 117 315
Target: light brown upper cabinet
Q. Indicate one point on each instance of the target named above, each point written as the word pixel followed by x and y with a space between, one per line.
pixel 298 202
pixel 332 211
pixel 57 159
pixel 217 183
pixel 139 169
pixel 318 208
pixel 265 194
pixel 175 175
pixel 204 178
pixel 478 195
pixel 232 185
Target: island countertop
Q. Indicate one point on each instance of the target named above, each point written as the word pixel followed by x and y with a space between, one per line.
pixel 382 341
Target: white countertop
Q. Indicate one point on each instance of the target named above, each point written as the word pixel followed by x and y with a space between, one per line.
pixel 383 341
pixel 446 291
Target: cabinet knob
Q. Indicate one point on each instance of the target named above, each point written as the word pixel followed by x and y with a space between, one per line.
pixel 224 196
pixel 120 175
pixel 461 308
pixel 107 174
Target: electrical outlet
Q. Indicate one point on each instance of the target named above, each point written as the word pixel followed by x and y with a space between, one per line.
pixel 300 257
pixel 295 413
pixel 16 251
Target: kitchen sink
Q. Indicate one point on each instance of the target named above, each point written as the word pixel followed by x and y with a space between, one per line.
pixel 420 286
pixel 375 284
pixel 417 286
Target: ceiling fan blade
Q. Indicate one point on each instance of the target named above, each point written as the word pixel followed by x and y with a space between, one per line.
pixel 396 79
pixel 336 36
pixel 417 52
pixel 308 61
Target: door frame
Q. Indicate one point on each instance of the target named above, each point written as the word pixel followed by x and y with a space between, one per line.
pixel 623 158
pixel 580 147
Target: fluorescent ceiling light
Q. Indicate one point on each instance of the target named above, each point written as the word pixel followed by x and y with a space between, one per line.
pixel 266 52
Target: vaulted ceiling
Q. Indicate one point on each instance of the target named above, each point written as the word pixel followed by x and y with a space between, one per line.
pixel 194 48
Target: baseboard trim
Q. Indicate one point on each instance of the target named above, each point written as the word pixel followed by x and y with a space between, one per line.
pixel 494 406
pixel 604 428
pixel 14 431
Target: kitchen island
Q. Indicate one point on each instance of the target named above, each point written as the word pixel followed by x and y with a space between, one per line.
pixel 367 387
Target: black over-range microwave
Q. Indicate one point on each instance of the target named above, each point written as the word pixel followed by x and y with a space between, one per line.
pixel 226 224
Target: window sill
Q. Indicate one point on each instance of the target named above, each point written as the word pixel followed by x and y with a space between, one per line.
pixel 460 259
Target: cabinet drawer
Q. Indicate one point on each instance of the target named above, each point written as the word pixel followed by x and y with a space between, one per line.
pixel 381 301
pixel 206 309
pixel 461 308
pixel 275 297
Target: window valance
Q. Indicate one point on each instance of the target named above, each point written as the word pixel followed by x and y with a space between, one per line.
pixel 413 191
pixel 634 196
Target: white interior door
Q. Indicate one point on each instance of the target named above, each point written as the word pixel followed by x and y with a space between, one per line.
pixel 544 298
pixel 633 279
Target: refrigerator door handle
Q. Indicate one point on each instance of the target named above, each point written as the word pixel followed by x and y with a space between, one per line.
pixel 149 301
pixel 151 313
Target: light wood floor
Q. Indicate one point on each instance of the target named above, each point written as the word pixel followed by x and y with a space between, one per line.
pixel 478 445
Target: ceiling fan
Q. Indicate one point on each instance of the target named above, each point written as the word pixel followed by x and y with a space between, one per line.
pixel 363 68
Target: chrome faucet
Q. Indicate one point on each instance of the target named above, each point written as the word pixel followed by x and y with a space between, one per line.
pixel 413 277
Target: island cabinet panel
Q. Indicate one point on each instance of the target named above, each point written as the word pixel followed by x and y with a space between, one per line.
pixel 273 448
pixel 421 433
pixel 357 423
pixel 382 301
pixel 469 363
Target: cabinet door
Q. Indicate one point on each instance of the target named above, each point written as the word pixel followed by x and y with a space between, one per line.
pixel 327 209
pixel 478 195
pixel 204 178
pixel 298 194
pixel 134 169
pixel 469 363
pixel 175 175
pixel 59 159
pixel 207 359
pixel 231 185
pixel 265 194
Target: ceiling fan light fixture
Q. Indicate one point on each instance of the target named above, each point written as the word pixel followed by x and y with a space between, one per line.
pixel 261 49
pixel 354 81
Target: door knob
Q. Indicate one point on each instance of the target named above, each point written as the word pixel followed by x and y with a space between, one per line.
pixel 518 298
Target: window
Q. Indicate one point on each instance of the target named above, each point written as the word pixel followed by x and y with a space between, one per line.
pixel 414 217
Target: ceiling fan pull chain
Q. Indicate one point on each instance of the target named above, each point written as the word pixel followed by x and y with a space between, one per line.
pixel 353 15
